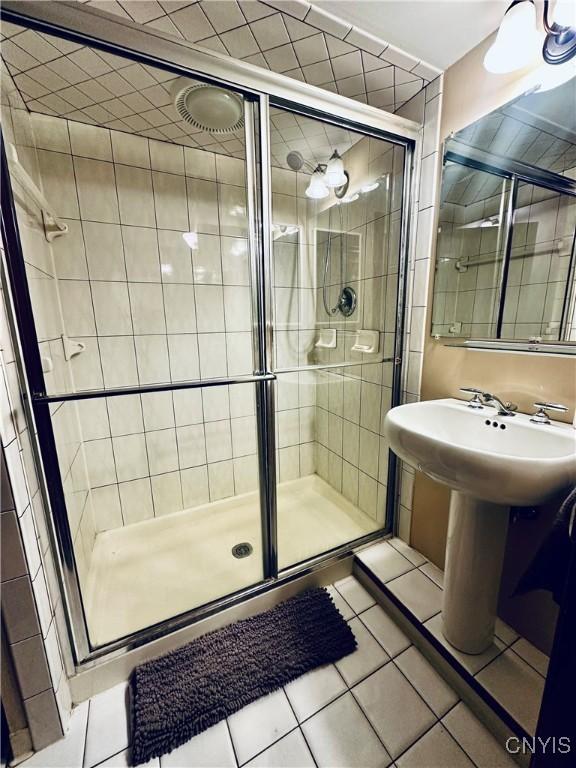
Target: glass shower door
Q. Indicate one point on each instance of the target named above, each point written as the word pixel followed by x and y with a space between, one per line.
pixel 336 222
pixel 146 369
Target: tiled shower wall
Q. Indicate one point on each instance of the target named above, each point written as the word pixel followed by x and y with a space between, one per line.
pixel 540 258
pixel 149 309
pixel 32 608
pixel 352 401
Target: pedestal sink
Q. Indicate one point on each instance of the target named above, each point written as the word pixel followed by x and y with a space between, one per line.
pixel 491 463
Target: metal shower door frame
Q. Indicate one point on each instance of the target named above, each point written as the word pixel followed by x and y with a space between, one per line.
pixel 261 88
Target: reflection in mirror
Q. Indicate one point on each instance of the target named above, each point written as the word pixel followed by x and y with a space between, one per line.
pixel 505 240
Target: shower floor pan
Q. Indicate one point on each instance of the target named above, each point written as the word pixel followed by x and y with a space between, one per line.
pixel 150 571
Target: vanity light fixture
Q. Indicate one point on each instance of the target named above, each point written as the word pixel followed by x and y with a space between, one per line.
pixel 317 189
pixel 335 175
pixel 518 38
pixel 370 187
pixel 350 198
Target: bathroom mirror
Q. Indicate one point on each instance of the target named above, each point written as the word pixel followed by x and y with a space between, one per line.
pixel 505 258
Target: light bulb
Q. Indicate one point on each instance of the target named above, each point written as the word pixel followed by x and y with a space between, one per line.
pixel 317 189
pixel 517 43
pixel 334 175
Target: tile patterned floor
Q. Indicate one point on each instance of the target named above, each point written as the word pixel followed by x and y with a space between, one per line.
pixel 512 669
pixel 384 705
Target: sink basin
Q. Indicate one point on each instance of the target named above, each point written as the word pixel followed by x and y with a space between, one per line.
pixel 491 463
pixel 515 462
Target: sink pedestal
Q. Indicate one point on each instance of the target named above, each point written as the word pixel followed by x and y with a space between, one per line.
pixel 474 557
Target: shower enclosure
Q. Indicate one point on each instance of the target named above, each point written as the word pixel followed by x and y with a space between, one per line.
pixel 210 347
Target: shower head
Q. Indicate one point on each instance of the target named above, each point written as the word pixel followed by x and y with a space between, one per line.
pixel 295 160
pixel 207 107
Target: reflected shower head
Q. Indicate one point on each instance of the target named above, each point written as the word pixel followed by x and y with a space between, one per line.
pixel 295 160
pixel 207 107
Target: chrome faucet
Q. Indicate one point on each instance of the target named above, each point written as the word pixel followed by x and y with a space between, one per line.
pixel 504 409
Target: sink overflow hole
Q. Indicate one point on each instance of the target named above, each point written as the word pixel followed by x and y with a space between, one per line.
pixel 242 550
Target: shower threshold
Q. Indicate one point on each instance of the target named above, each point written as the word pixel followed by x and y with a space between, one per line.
pixel 148 572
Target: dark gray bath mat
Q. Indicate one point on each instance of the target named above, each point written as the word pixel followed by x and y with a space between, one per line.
pixel 183 693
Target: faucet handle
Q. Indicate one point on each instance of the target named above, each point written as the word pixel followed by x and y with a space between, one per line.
pixel 478 394
pixel 541 417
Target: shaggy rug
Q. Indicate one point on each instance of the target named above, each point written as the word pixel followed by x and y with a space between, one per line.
pixel 186 691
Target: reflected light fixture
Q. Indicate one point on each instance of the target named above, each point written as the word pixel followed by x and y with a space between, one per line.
pixel 335 175
pixel 518 39
pixel 370 187
pixel 191 239
pixel 317 189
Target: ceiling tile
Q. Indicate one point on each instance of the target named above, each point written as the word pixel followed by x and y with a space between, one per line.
pixel 240 42
pixel 319 73
pixel 296 74
pixel 402 76
pixel 270 32
pixel 348 65
pixel 90 62
pixel 370 62
pixel 311 50
pixel 407 90
pixel 338 47
pixel 137 75
pixel 30 87
pixel 224 14
pixel 157 95
pixel 192 23
pixel 110 6
pixel 142 10
pixel 68 70
pixel 298 30
pixel 64 46
pixel 253 11
pixel 281 59
pixel 16 56
pixel 258 60
pixel 379 78
pixel 33 41
pixel 174 5
pixel 55 102
pixel 48 78
pixel 351 86
pixel 116 107
pixel 382 98
pixel 116 84
pixel 95 90
pixel 75 97
pixel 165 24
pixel 214 44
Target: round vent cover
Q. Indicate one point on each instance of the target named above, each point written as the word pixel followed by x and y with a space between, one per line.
pixel 207 107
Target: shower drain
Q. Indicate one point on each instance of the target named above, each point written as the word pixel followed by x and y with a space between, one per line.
pixel 242 550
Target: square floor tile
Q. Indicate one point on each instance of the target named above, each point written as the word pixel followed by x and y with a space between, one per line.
pixel 418 593
pixel 415 557
pixel 531 655
pixel 430 685
pixel 434 573
pixel 368 656
pixel 473 663
pixel 340 603
pixel 354 593
pixel 210 749
pixel 340 736
pixel 314 690
pixel 475 739
pixel 260 724
pixel 516 686
pixel 385 630
pixel 384 561
pixel 124 760
pixel 290 752
pixel 436 749
pixel 398 714
pixel 69 751
pixel 107 732
pixel 504 632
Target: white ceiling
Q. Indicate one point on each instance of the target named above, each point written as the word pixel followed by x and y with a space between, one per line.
pixel 438 32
